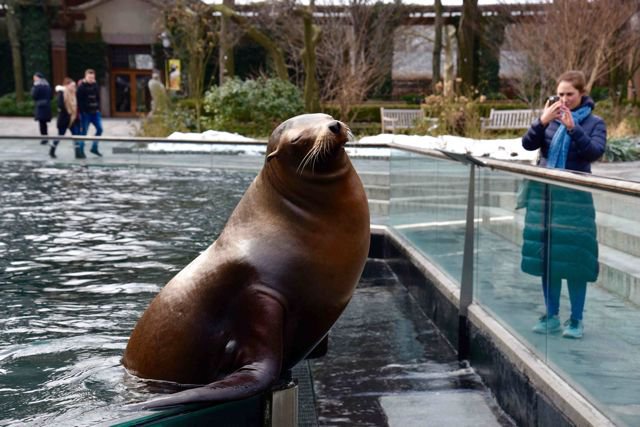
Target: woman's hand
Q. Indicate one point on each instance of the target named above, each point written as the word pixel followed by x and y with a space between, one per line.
pixel 558 111
pixel 551 112
pixel 566 118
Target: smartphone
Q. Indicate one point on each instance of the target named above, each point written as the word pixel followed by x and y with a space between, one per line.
pixel 553 99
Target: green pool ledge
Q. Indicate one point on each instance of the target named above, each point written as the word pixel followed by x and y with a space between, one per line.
pixel 278 407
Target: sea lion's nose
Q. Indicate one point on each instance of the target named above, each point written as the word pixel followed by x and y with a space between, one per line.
pixel 335 127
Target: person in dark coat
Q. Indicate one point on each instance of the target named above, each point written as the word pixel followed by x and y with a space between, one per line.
pixel 68 115
pixel 41 94
pixel 89 106
pixel 559 238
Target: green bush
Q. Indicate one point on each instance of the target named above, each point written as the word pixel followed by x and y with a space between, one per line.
pixel 9 106
pixel 622 150
pixel 180 116
pixel 35 40
pixel 251 107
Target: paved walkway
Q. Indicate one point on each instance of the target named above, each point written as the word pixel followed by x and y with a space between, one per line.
pixel 28 127
pixel 128 127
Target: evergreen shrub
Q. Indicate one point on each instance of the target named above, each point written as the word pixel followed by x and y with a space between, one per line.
pixel 35 41
pixel 180 116
pixel 7 82
pixel 251 107
pixel 9 106
pixel 86 50
pixel 622 150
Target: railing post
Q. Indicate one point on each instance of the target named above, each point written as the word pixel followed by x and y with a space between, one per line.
pixel 466 284
pixel 284 404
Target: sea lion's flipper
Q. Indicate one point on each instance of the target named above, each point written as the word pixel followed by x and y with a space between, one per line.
pixel 246 382
pixel 261 355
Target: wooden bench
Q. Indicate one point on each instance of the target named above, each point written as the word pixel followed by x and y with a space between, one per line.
pixel 508 119
pixel 393 119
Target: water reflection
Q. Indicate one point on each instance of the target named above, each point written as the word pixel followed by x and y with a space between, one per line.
pixel 82 252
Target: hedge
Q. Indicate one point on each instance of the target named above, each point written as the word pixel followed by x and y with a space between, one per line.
pixel 9 107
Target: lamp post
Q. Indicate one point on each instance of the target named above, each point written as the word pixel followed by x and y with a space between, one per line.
pixel 166 45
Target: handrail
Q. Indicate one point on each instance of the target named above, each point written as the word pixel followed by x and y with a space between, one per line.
pixel 132 139
pixel 578 179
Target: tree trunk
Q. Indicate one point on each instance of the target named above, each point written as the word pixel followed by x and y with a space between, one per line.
pixel 437 46
pixel 447 87
pixel 311 37
pixel 226 63
pixel 276 54
pixel 14 40
pixel 467 43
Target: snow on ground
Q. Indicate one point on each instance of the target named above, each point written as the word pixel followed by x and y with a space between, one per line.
pixel 210 135
pixel 502 149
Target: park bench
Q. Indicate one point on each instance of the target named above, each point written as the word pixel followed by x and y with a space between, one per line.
pixel 394 119
pixel 508 119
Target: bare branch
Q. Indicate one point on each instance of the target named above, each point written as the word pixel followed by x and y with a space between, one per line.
pixel 592 36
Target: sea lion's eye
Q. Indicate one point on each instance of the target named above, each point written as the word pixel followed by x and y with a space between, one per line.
pixel 296 139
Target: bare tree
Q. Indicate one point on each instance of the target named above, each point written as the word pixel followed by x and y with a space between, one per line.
pixel 437 45
pixel 254 32
pixel 226 64
pixel 193 38
pixel 14 40
pixel 468 43
pixel 308 53
pixel 356 50
pixel 594 37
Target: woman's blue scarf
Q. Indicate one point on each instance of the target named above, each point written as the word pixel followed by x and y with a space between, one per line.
pixel 561 141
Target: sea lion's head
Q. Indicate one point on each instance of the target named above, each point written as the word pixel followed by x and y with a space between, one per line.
pixel 309 142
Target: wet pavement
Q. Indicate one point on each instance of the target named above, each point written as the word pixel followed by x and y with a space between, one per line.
pixel 388 364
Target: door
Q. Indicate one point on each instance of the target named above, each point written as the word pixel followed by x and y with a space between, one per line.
pixel 130 95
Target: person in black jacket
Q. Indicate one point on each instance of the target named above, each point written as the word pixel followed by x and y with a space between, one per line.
pixel 89 107
pixel 559 239
pixel 68 115
pixel 41 94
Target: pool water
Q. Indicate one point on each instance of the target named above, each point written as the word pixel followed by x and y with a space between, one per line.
pixel 83 250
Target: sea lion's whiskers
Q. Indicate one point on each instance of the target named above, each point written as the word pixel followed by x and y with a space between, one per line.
pixel 350 136
pixel 306 159
pixel 321 149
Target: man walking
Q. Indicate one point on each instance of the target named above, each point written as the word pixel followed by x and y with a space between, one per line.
pixel 89 106
pixel 41 94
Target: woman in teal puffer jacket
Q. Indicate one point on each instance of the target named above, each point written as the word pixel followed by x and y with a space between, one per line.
pixel 560 231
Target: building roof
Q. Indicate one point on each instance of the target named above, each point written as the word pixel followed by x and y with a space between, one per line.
pixel 90 4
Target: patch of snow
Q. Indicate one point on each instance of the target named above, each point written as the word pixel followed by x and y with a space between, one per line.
pixel 211 135
pixel 501 149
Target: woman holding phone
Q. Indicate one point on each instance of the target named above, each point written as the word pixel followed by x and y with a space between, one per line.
pixel 559 239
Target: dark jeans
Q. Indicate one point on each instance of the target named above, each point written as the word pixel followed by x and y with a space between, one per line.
pixel 94 119
pixel 577 296
pixel 43 129
pixel 75 130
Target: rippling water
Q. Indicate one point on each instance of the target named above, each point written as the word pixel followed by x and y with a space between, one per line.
pixel 82 252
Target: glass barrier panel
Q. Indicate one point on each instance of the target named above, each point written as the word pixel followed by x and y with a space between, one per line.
pixel 594 247
pixel 576 247
pixel 428 206
pixel 502 287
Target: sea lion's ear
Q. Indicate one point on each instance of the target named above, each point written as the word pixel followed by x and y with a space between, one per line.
pixel 272 154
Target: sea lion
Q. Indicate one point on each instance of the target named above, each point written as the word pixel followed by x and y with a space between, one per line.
pixel 284 267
